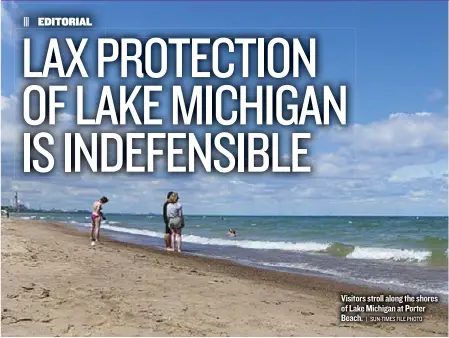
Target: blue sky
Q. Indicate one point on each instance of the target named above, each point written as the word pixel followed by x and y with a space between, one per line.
pixel 392 159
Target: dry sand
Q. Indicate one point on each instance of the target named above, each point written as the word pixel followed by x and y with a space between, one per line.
pixel 55 284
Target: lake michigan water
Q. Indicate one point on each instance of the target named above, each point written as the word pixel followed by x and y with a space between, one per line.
pixel 405 254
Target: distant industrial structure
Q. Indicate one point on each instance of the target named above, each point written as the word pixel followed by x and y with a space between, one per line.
pixel 15 205
pixel 16 202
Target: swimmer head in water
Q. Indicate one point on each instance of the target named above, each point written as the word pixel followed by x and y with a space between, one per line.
pixel 232 232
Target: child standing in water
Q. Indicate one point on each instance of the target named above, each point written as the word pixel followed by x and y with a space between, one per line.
pixel 175 220
pixel 96 217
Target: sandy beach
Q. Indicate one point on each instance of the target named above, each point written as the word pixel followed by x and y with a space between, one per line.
pixel 55 284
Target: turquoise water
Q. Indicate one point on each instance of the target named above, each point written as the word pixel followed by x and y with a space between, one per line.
pixel 400 253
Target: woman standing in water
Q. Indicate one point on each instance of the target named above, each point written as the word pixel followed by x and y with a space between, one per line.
pixel 175 220
pixel 96 217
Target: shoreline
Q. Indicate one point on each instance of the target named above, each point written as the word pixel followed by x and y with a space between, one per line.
pixel 308 304
pixel 346 281
pixel 247 271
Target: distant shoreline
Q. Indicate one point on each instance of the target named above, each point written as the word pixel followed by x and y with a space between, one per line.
pixel 228 215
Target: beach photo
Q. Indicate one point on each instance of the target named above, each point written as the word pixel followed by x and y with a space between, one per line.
pixel 224 168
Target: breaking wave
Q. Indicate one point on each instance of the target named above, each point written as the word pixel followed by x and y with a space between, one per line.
pixel 436 257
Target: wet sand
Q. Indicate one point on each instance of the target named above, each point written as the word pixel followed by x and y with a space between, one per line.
pixel 55 284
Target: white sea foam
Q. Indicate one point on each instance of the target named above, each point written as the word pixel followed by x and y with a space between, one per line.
pixel 132 231
pixel 28 217
pixel 389 254
pixel 358 253
pixel 265 245
pixel 248 244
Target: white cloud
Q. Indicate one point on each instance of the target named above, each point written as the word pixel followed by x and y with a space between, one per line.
pixel 388 167
pixel 412 172
pixel 401 133
pixel 416 195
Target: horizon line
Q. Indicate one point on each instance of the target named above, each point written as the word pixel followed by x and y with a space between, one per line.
pixel 237 215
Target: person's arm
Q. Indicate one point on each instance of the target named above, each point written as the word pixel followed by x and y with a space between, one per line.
pixel 164 213
pixel 181 214
pixel 179 207
pixel 100 211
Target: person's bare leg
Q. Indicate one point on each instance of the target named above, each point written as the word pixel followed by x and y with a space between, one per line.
pixel 167 240
pixel 173 239
pixel 92 231
pixel 178 240
pixel 97 229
